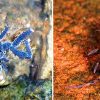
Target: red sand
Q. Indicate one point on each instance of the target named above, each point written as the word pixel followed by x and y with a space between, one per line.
pixel 75 25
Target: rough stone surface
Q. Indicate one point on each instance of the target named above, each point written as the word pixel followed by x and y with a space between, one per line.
pixel 19 15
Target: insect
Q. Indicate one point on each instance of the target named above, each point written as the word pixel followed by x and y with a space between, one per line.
pixel 5 46
pixel 96 67
pixel 94 52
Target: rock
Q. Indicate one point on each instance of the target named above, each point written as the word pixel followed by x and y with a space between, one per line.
pixel 20 15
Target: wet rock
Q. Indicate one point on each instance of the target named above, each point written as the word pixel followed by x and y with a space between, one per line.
pixel 20 15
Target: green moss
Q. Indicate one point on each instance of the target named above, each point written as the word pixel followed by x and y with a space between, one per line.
pixel 24 89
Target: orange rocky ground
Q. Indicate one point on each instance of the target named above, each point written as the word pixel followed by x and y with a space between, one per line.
pixel 76 25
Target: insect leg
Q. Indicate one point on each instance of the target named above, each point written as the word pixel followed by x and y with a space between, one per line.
pixel 6 45
pixel 4 59
pixel 93 52
pixel 4 32
pixel 21 37
pixel 96 67
pixel 28 49
pixel 19 53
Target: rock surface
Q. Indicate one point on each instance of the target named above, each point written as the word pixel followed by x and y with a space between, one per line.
pixel 20 15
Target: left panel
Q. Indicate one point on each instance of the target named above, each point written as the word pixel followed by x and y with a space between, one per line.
pixel 26 49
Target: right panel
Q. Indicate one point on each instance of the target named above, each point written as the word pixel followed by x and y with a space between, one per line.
pixel 76 49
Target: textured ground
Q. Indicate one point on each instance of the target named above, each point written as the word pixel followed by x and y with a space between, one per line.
pixel 76 25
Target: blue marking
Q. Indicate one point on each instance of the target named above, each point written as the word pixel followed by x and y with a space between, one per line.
pixel 20 54
pixel 3 33
pixel 28 49
pixel 13 46
pixel 21 37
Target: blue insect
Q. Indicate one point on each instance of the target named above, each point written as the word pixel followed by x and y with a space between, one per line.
pixel 5 46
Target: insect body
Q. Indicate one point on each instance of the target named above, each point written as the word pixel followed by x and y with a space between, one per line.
pixel 13 46
pixel 91 53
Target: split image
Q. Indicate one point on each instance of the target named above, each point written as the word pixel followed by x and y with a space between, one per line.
pixel 49 49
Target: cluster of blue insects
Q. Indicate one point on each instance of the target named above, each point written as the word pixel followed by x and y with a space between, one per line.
pixel 5 46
